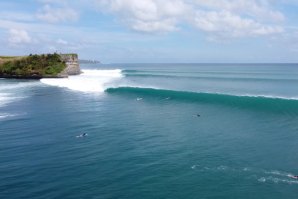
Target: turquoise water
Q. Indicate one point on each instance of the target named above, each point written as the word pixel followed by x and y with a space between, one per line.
pixel 145 139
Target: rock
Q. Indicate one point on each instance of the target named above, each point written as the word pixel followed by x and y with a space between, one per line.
pixel 72 65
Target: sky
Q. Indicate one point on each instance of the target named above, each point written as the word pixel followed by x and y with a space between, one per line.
pixel 153 31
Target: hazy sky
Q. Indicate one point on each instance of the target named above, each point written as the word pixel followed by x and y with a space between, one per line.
pixel 153 30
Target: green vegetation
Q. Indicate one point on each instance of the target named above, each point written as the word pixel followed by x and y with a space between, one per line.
pixel 32 66
pixel 7 57
pixel 71 54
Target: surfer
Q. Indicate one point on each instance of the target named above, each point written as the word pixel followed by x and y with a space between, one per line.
pixel 295 177
pixel 82 135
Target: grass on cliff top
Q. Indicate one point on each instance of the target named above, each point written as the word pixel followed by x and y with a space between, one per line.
pixel 32 65
pixel 9 58
pixel 71 54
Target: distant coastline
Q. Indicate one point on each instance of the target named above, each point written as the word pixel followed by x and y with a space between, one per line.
pixel 39 66
pixel 85 61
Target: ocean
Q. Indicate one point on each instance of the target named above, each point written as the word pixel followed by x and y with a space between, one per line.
pixel 153 131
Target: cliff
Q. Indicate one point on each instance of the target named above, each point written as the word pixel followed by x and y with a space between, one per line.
pixel 72 64
pixel 40 66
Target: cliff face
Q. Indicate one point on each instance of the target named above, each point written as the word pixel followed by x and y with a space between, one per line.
pixel 72 65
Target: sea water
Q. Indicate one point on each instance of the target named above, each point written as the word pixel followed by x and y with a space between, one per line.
pixel 153 131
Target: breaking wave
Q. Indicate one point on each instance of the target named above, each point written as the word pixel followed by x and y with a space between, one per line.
pixel 88 81
pixel 272 103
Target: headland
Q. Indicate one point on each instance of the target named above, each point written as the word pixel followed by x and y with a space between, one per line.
pixel 39 66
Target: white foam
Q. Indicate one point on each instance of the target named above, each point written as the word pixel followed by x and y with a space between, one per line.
pixel 262 176
pixel 279 173
pixel 251 95
pixel 246 169
pixel 262 179
pixel 222 168
pixel 277 180
pixel 6 98
pixel 14 91
pixel 194 166
pixel 18 85
pixel 88 81
pixel 270 96
pixel 6 115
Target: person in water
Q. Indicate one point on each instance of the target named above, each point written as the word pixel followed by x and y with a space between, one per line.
pixel 82 135
pixel 295 177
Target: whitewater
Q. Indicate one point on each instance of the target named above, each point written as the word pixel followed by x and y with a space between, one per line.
pixel 145 139
pixel 88 81
pixel 101 80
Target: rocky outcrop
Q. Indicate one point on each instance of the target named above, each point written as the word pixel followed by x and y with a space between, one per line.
pixel 72 65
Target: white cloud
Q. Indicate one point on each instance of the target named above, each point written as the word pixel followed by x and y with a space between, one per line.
pixel 55 15
pixel 253 8
pixel 226 24
pixel 234 18
pixel 62 42
pixel 166 25
pixel 147 15
pixel 18 36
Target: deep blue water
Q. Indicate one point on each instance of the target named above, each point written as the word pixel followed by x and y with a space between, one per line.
pixel 145 139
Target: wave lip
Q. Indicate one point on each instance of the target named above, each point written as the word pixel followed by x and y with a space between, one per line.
pixel 88 81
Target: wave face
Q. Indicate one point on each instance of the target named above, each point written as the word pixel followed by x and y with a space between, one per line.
pixel 257 87
pixel 89 81
pixel 232 79
pixel 255 102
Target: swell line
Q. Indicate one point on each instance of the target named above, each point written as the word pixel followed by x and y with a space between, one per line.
pixel 144 75
pixel 265 103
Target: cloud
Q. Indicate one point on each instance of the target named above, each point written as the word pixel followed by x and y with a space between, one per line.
pixel 225 24
pixel 234 18
pixel 147 15
pixel 61 42
pixel 55 15
pixel 260 9
pixel 18 36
